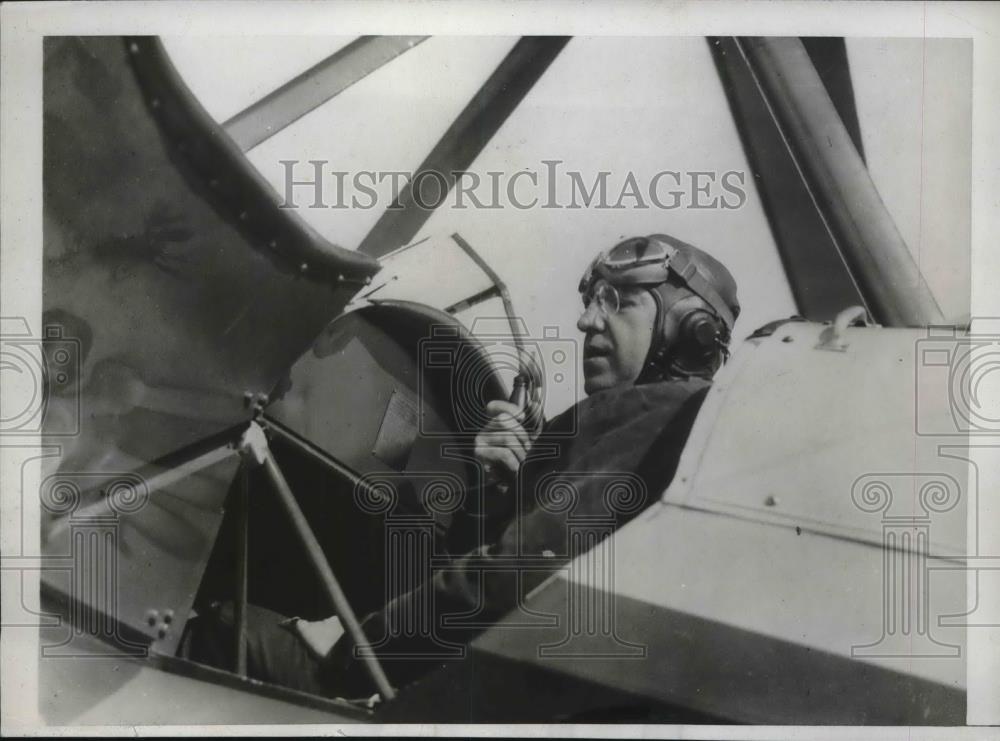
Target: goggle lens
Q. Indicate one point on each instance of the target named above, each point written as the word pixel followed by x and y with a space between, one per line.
pixel 606 295
pixel 638 251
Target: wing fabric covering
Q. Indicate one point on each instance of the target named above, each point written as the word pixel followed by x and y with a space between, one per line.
pixel 177 286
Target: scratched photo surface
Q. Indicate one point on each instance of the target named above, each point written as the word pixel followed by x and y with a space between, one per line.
pixel 286 280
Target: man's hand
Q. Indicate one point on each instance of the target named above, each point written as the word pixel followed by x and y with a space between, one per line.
pixel 503 443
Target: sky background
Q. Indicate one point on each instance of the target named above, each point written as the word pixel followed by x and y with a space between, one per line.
pixel 606 103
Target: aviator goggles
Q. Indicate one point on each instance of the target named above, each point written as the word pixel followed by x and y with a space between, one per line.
pixel 646 261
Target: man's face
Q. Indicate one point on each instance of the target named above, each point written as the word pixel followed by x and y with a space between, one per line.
pixel 616 344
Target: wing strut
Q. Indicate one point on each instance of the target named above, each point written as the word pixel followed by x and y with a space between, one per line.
pixel 839 185
pixel 817 274
pixel 465 139
pixel 311 89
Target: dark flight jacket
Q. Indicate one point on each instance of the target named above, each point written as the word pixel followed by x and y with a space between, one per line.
pixel 596 465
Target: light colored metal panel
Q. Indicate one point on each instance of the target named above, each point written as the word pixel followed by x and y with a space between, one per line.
pixel 134 555
pixel 823 438
pixel 156 698
pixel 826 593
pixel 747 621
pixel 830 597
pixel 96 688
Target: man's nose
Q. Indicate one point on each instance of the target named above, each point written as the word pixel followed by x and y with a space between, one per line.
pixel 591 320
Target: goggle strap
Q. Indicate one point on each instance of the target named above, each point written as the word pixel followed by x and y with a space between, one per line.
pixel 688 272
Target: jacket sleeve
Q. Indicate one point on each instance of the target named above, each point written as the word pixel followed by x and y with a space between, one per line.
pixel 410 636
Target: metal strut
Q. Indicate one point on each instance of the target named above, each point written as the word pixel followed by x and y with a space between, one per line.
pixel 282 107
pixel 467 136
pixel 833 171
pixel 255 450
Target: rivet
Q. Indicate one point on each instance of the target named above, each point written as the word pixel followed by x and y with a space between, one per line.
pixel 243 215
pixel 787 338
pixel 304 267
pixel 340 278
pixel 273 244
pixel 368 280
pixel 151 617
pixel 771 500
pixel 168 616
pixel 133 47
pixel 155 102
pixel 213 183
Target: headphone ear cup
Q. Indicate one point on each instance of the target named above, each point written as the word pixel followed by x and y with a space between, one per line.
pixel 698 338
pixel 699 330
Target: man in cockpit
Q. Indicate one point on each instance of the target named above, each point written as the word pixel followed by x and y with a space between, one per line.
pixel 657 320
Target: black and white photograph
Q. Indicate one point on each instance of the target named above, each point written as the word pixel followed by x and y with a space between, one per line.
pixel 526 369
